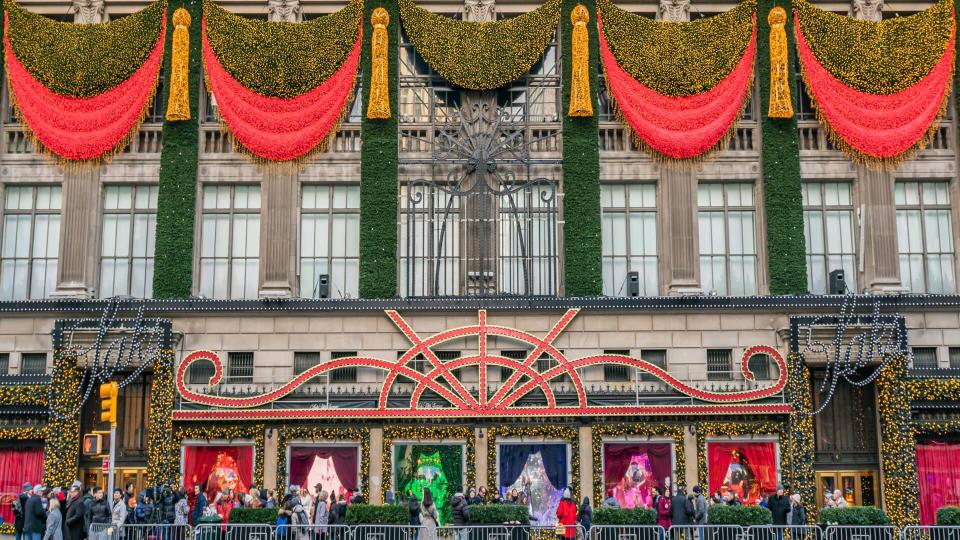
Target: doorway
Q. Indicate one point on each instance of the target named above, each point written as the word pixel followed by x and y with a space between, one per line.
pixel 859 488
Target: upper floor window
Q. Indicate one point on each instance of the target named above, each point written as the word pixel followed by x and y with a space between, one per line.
pixel 33 363
pixel 616 372
pixel 924 357
pixel 719 364
pixel 828 227
pixel 925 236
pixel 629 234
pixel 230 242
pixel 240 367
pixel 129 227
pixel 330 241
pixel 728 248
pixel 31 242
pixel 657 357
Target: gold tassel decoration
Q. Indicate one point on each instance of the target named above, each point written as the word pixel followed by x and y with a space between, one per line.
pixel 378 106
pixel 581 103
pixel 781 106
pixel 178 101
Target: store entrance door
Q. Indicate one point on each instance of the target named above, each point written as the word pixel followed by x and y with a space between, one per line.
pixel 859 488
pixel 137 475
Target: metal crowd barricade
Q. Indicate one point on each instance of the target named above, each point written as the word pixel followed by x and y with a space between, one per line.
pixel 385 532
pixel 235 531
pixel 626 532
pixel 157 531
pixel 929 532
pixel 862 532
pixel 784 532
pixel 706 532
pixel 103 531
pixel 543 532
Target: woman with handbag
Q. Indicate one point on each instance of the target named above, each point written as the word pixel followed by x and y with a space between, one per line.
pixel 429 517
pixel 566 517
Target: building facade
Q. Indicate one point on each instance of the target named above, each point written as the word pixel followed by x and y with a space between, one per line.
pixel 677 320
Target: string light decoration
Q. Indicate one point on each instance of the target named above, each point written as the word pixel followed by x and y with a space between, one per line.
pixel 898 451
pixel 851 352
pixel 162 454
pixel 281 59
pixel 83 60
pixel 31 395
pixel 934 389
pixel 940 427
pixel 799 444
pixel 781 104
pixel 228 432
pixel 678 59
pixel 428 435
pixel 130 354
pixel 378 106
pixel 178 99
pixel 480 56
pixel 547 432
pixel 738 428
pixel 324 434
pixel 620 431
pixel 62 443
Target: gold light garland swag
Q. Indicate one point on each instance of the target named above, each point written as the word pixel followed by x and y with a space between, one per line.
pixel 781 106
pixel 898 451
pixel 62 444
pixel 480 56
pixel 163 457
pixel 565 434
pixel 378 106
pixel 673 431
pixel 934 389
pixel 227 432
pixel 581 102
pixel 324 434
pixel 427 435
pixel 178 101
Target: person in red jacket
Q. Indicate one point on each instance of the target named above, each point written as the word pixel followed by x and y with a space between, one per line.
pixel 664 508
pixel 567 515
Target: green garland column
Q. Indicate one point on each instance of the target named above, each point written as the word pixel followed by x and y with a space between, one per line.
pixel 176 204
pixel 800 446
pixel 786 256
pixel 378 170
pixel 898 451
pixel 163 456
pixel 62 445
pixel 581 169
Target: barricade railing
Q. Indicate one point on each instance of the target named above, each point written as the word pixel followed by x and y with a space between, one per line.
pixel 928 532
pixel 784 532
pixel 626 532
pixel 706 532
pixel 243 531
pixel 862 532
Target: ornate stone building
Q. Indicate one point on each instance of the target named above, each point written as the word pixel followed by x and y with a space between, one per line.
pixel 480 342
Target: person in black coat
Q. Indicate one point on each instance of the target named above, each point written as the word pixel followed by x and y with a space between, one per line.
pixel 779 506
pixel 73 521
pixel 99 511
pixel 34 516
pixel 165 505
pixel 681 509
pixel 18 513
pixel 458 507
pixel 199 503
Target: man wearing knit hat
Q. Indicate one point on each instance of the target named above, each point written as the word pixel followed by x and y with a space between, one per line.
pixel 18 505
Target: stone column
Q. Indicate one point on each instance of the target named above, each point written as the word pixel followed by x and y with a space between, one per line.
pixel 586 462
pixel 679 239
pixel 879 222
pixel 278 233
pixel 690 453
pixel 270 455
pixel 376 465
pixel 482 465
pixel 79 223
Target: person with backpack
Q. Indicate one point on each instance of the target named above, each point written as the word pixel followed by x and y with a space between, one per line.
pixel 18 505
pixel 460 510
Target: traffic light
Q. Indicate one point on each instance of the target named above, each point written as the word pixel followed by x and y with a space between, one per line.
pixel 108 403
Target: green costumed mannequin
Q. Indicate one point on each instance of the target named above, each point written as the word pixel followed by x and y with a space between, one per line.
pixel 429 474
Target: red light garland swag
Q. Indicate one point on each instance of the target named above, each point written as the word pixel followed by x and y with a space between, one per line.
pixel 884 116
pixel 82 126
pixel 280 127
pixel 695 115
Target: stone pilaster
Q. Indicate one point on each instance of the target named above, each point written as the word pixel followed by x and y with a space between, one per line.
pixel 585 436
pixel 679 238
pixel 278 234
pixel 879 223
pixel 79 225
pixel 482 466
pixel 690 451
pixel 270 455
pixel 376 465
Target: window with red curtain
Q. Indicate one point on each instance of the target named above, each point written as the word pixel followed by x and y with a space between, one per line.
pixel 17 466
pixel 336 468
pixel 748 468
pixel 938 473
pixel 216 468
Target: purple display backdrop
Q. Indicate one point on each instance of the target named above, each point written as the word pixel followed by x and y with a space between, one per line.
pixel 631 470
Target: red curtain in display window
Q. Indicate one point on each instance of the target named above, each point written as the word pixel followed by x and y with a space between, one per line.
pixel 17 466
pixel 748 468
pixel 216 468
pixel 938 473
